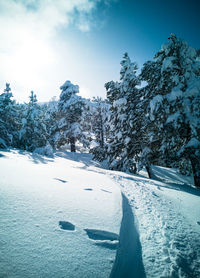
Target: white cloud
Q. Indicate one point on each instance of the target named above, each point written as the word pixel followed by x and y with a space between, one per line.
pixel 29 48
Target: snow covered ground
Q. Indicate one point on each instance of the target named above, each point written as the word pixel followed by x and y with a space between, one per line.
pixel 38 192
pixel 157 223
pixel 168 218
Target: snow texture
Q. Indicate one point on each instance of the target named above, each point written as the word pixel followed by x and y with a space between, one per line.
pixel 39 197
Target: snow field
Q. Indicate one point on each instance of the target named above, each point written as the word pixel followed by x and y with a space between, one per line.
pixel 38 192
pixel 159 233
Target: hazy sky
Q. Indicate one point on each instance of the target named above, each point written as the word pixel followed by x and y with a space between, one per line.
pixel 43 43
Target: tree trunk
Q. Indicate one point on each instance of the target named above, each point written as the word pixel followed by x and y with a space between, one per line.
pixel 72 144
pixel 196 170
pixel 102 133
pixel 149 171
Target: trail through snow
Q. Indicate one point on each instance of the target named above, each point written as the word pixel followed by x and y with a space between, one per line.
pixel 167 224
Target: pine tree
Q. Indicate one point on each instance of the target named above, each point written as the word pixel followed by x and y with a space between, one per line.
pixel 125 143
pixel 70 109
pixel 52 120
pixel 171 103
pixel 100 109
pixel 8 119
pixel 152 137
pixel 33 133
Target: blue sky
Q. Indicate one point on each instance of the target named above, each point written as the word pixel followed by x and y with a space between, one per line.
pixel 46 42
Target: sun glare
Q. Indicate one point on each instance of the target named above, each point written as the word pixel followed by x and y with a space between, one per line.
pixel 30 59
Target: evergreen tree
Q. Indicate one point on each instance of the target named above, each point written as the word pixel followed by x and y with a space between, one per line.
pixel 8 119
pixel 33 133
pixel 52 120
pixel 125 142
pixel 172 101
pixel 99 128
pixel 70 109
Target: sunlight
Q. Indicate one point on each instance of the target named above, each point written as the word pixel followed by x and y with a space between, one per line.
pixel 30 59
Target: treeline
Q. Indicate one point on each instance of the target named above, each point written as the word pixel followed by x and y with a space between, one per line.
pixel 134 127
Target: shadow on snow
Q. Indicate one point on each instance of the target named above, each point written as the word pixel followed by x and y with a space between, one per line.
pixel 128 262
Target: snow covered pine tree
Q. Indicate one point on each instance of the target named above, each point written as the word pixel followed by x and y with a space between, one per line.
pixel 125 120
pixel 174 103
pixel 33 133
pixel 99 116
pixel 70 109
pixel 8 119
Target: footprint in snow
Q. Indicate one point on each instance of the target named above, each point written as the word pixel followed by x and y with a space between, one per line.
pixel 101 235
pixel 66 225
pixel 153 193
pixel 103 238
pixel 106 191
pixel 63 181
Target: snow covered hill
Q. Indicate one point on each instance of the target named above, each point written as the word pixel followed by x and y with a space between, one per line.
pixel 65 217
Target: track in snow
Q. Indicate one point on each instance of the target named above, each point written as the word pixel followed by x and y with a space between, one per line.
pixel 170 247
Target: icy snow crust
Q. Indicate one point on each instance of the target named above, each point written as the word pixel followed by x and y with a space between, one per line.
pixel 158 237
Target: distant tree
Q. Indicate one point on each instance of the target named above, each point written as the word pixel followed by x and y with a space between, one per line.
pixel 8 119
pixel 52 120
pixel 70 108
pixel 99 114
pixel 33 133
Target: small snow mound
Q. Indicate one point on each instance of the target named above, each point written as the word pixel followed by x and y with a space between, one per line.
pixel 47 150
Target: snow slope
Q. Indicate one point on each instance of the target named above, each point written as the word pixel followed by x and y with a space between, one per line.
pixel 38 192
pixel 168 219
pixel 158 233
